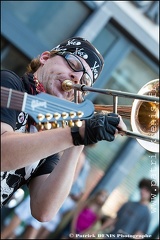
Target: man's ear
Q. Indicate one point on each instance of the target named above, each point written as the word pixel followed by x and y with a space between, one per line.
pixel 44 56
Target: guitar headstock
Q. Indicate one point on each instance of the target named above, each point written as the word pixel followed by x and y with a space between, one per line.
pixel 52 112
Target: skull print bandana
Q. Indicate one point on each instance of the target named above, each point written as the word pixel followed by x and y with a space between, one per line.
pixel 84 49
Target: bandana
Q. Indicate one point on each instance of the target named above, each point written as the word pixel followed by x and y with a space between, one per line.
pixel 84 49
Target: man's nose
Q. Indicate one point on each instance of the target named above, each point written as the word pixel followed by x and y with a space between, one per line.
pixel 76 76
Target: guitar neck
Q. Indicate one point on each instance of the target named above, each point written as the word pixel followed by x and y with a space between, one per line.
pixel 12 99
pixel 44 107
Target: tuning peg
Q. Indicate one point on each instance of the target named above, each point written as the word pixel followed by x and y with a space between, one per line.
pixel 71 123
pixel 72 114
pixel 64 115
pixel 48 116
pixel 64 123
pixel 80 114
pixel 47 126
pixel 55 124
pixel 40 127
pixel 78 123
pixel 40 117
pixel 56 115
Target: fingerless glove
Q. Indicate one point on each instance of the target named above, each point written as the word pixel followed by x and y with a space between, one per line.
pixel 99 127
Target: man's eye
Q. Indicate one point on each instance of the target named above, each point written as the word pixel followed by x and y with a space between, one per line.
pixel 73 65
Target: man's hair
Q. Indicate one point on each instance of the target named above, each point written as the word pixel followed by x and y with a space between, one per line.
pixel 150 185
pixel 35 62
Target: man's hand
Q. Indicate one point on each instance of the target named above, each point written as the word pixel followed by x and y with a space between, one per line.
pixel 100 127
pixel 121 126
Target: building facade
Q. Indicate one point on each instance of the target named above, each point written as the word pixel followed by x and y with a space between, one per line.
pixel 127 35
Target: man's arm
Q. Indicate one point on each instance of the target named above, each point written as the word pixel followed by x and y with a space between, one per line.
pixel 48 192
pixel 29 148
pixel 23 149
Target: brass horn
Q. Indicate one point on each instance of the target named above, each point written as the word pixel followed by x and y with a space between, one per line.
pixel 144 113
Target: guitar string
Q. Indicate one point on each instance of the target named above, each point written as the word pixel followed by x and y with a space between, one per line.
pixel 51 106
pixel 54 106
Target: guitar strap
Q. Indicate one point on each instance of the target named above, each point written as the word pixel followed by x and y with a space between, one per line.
pixel 29 83
pixel 30 88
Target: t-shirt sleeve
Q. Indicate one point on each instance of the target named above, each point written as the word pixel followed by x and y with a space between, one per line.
pixel 47 165
pixel 10 80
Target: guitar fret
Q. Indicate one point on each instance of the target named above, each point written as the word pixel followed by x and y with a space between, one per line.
pixel 24 101
pixel 16 100
pixel 13 99
pixel 9 98
pixel 45 109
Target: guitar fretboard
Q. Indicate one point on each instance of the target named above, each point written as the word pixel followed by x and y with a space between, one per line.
pixel 11 98
pixel 46 108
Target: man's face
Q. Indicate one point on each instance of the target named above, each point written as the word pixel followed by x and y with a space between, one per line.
pixel 54 71
pixel 145 194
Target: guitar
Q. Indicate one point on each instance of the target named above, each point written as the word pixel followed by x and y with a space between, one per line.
pixel 46 110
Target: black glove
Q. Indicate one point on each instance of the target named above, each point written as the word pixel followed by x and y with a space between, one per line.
pixel 99 127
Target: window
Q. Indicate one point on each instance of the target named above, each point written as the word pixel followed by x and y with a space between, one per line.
pixel 12 58
pixel 126 69
pixel 43 24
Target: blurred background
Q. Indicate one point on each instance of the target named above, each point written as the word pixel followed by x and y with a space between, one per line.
pixel 127 35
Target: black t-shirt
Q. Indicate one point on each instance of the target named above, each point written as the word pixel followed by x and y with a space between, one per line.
pixel 14 179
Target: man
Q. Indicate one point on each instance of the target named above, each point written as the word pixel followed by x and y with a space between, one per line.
pixel 31 226
pixel 31 158
pixel 133 218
